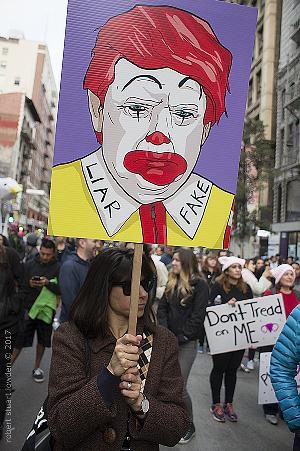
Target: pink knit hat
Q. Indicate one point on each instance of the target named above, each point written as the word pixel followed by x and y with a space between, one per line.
pixel 228 261
pixel 278 272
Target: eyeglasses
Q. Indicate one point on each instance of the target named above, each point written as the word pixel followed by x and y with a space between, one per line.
pixel 126 286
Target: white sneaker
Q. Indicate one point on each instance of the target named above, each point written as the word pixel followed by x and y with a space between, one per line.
pixel 38 375
pixel 244 368
pixel 250 365
pixel 272 419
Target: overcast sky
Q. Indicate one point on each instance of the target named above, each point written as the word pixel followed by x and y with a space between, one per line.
pixel 40 20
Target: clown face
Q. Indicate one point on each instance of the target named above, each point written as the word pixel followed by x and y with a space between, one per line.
pixel 153 129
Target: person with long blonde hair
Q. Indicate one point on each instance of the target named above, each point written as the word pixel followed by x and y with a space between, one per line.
pixel 182 310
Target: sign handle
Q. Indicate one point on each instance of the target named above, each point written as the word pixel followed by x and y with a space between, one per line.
pixel 135 287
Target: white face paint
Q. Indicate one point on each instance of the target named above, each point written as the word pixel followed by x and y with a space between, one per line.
pixel 138 103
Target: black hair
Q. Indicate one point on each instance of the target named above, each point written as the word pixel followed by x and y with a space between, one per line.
pixel 89 312
pixel 5 240
pixel 48 244
pixel 147 250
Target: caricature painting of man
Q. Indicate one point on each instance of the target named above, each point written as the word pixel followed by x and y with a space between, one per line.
pixel 156 85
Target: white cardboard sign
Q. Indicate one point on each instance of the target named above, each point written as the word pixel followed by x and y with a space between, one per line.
pixel 250 323
pixel 266 394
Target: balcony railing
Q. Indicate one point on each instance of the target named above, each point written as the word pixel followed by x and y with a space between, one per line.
pixel 293 96
pixel 295 35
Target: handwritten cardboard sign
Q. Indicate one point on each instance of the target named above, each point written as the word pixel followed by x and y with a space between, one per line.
pixel 266 394
pixel 254 322
pixel 144 117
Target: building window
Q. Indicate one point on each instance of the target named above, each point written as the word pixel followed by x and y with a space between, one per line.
pixel 279 203
pixel 4 51
pixel 297 137
pixel 282 139
pixel 3 64
pixel 258 84
pixel 293 201
pixel 260 40
pixel 291 150
pixel 250 93
pixel 282 146
pixel 283 103
pixel 292 90
pixel 17 81
pixel 292 244
pixel 290 139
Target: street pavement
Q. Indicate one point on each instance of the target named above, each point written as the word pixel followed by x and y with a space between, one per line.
pixel 251 433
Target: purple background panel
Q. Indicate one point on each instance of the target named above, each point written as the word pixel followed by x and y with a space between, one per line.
pixel 234 26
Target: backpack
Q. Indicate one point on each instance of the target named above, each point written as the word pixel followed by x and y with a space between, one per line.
pixel 40 438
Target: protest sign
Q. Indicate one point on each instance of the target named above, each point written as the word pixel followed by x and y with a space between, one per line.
pixel 266 394
pixel 250 323
pixel 148 138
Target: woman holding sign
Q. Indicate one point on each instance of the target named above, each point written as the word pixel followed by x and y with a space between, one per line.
pixel 182 310
pixel 101 394
pixel 230 288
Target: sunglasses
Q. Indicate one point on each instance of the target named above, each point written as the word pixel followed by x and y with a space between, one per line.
pixel 126 286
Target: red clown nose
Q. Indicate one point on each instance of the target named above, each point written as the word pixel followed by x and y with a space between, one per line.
pixel 157 138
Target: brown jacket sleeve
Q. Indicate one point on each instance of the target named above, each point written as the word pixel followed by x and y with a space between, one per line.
pixel 167 420
pixel 73 401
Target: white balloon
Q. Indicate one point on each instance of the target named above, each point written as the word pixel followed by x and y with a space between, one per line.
pixel 8 188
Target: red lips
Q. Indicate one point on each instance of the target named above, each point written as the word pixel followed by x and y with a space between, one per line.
pixel 157 168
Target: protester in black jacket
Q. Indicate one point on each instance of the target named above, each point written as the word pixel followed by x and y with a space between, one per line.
pixel 39 273
pixel 229 288
pixel 63 251
pixel 11 277
pixel 73 272
pixel 11 273
pixel 31 250
pixel 211 269
pixel 182 310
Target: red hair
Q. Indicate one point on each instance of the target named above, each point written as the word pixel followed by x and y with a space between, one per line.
pixel 157 37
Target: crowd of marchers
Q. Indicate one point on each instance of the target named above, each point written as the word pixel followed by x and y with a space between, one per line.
pixel 80 290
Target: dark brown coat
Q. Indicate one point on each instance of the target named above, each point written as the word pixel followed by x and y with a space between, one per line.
pixel 78 416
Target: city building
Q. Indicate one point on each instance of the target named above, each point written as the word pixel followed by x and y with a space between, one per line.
pixel 26 78
pixel 261 105
pixel 286 217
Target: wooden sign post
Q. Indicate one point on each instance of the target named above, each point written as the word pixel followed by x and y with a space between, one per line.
pixel 135 287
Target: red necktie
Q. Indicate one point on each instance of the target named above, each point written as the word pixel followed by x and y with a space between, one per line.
pixel 153 220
